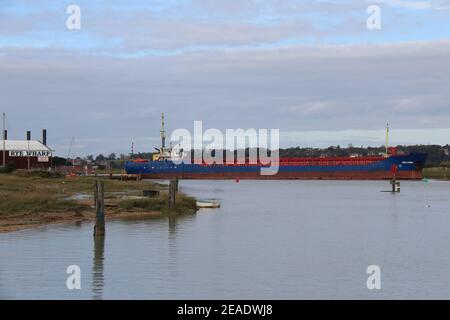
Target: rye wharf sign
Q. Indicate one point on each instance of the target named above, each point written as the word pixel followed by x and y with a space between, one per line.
pixel 30 153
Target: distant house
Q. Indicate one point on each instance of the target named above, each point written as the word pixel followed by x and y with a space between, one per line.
pixel 78 162
pixel 26 154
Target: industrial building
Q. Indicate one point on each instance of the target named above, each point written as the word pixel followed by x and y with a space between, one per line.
pixel 26 154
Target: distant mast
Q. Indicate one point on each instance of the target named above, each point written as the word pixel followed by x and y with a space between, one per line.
pixel 387 140
pixel 163 134
pixel 4 138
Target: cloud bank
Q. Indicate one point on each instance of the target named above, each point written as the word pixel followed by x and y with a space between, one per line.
pixel 298 66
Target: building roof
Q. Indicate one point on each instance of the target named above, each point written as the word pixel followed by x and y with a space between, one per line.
pixel 24 145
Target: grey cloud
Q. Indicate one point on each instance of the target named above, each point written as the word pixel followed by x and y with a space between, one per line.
pixel 294 88
pixel 11 26
pixel 145 31
pixel 418 5
pixel 202 23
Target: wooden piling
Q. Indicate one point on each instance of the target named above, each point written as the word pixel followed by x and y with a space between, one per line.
pixel 395 186
pixel 99 196
pixel 173 188
pixel 95 194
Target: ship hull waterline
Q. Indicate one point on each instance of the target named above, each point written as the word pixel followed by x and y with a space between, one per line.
pixel 362 175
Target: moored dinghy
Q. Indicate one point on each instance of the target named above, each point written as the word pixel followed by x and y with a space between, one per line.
pixel 207 204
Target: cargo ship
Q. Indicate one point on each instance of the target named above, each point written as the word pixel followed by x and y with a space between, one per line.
pixel 387 166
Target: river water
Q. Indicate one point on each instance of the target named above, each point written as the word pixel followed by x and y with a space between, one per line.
pixel 269 240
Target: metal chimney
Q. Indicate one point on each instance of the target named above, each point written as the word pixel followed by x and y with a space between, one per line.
pixel 44 137
pixel 28 135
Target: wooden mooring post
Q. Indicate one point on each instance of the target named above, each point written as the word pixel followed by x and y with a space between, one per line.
pixel 99 196
pixel 395 186
pixel 173 188
pixel 394 183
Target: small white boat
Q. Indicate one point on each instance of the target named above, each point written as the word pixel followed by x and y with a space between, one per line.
pixel 205 204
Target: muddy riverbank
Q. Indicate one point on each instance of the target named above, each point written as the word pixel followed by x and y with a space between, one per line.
pixel 33 201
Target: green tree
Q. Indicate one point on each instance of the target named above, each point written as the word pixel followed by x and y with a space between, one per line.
pixel 100 157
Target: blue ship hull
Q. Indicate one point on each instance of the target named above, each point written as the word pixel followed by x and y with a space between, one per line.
pixel 402 166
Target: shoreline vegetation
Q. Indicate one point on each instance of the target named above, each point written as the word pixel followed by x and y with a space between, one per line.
pixel 37 198
pixel 438 173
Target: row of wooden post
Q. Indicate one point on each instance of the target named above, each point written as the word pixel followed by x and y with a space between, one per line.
pixel 99 199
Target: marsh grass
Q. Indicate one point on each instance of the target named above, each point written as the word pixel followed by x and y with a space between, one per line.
pixel 21 194
pixel 436 173
pixel 14 183
pixel 183 204
pixel 32 202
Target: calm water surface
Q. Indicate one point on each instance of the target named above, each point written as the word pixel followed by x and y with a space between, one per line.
pixel 269 240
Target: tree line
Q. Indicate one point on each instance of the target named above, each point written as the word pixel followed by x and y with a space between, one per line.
pixel 437 155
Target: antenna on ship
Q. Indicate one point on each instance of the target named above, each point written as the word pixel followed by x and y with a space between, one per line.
pixel 163 134
pixel 387 140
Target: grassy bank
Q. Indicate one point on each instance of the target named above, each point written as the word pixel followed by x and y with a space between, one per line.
pixel 441 173
pixel 27 200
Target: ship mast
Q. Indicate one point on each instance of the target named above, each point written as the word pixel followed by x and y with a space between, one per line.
pixel 387 140
pixel 163 134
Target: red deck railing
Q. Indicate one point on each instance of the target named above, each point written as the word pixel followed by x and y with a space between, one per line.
pixel 330 161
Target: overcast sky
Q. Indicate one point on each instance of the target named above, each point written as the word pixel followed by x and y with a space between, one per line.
pixel 310 68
